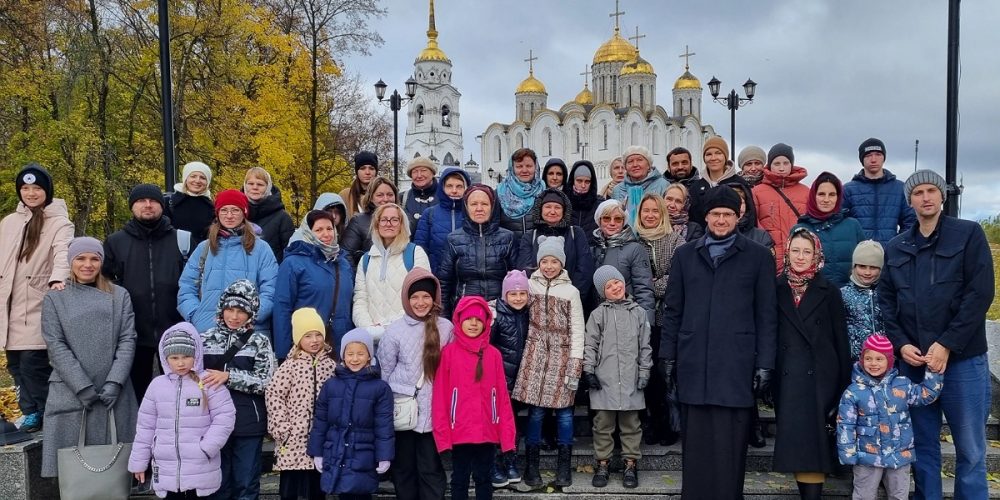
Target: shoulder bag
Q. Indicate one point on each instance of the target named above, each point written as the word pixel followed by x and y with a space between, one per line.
pixel 404 409
pixel 95 472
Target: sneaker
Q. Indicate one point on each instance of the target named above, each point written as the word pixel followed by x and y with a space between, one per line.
pixel 32 422
pixel 20 421
pixel 630 478
pixel 601 474
pixel 513 476
pixel 498 477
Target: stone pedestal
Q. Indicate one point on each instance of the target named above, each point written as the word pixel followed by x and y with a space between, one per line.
pixel 20 472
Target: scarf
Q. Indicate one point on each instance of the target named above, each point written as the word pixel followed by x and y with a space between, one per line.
pixel 680 221
pixel 752 179
pixel 329 251
pixel 516 197
pixel 602 243
pixel 799 281
pixel 228 233
pixel 812 208
pixel 857 282
pixel 654 233
pixel 718 247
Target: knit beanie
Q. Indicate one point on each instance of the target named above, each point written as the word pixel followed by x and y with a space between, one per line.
pixel 718 143
pixel 751 153
pixel 241 294
pixel 582 168
pixel 234 198
pixel 514 281
pixel 428 285
pixel 365 158
pixel 637 150
pixel 552 246
pixel 780 149
pixel 33 173
pixel 871 145
pixel 490 193
pixel 145 192
pixel 604 207
pixel 420 161
pixel 306 320
pixel 879 344
pixel 84 244
pixel 925 177
pixel 603 275
pixel 869 253
pixel 178 342
pixel 197 166
pixel 721 196
pixel 360 335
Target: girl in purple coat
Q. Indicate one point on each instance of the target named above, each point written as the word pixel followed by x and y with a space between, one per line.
pixel 182 425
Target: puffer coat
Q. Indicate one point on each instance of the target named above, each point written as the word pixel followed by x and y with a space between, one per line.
pixel 508 334
pixel 880 205
pixel 440 220
pixel 873 424
pixel 839 235
pixel 553 352
pixel 579 262
pixel 352 430
pixel 290 398
pixel 773 213
pixel 275 224
pixel 625 253
pixel 617 350
pixel 476 260
pixel 183 428
pixel 863 314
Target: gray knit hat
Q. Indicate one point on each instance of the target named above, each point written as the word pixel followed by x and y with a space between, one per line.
pixel 360 335
pixel 603 275
pixel 84 244
pixel 925 177
pixel 551 246
pixel 780 149
pixel 751 153
pixel 869 253
pixel 178 342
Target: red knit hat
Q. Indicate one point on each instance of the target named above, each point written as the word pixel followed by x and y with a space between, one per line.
pixel 881 345
pixel 234 198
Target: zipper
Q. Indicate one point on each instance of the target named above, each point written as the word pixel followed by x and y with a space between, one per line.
pixel 177 429
pixel 255 412
pixel 152 283
pixel 493 405
pixel 454 406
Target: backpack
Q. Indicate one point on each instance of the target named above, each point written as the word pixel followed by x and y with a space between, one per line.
pixel 408 252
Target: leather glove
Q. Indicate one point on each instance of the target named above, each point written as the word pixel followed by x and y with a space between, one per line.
pixel 666 368
pixel 643 382
pixel 592 381
pixel 109 393
pixel 88 397
pixel 761 382
pixel 318 463
pixel 573 383
pixel 382 467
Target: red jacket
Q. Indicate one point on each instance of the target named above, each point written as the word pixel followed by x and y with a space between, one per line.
pixel 773 213
pixel 465 411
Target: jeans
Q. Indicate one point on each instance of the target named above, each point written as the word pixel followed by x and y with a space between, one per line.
pixel 240 469
pixel 965 402
pixel 30 370
pixel 564 426
pixel 474 459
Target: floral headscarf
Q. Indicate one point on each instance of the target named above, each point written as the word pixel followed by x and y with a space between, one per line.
pixel 799 281
pixel 516 197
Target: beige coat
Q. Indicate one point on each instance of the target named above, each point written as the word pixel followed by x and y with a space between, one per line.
pixel 23 284
pixel 291 398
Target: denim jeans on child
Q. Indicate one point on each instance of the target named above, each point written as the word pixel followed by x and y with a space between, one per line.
pixel 564 425
pixel 965 402
pixel 474 459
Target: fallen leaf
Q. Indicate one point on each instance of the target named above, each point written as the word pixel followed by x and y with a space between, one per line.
pixel 587 468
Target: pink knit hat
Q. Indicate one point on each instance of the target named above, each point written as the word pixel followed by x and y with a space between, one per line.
pixel 881 345
pixel 515 280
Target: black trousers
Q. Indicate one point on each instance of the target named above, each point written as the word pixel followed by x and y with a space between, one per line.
pixel 417 471
pixel 714 440
pixel 30 370
pixel 143 366
pixel 475 460
pixel 184 495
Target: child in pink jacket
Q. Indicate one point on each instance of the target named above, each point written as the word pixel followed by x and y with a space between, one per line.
pixel 470 406
pixel 182 425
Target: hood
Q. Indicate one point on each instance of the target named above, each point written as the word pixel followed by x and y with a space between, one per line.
pixel 417 274
pixel 566 221
pixel 468 343
pixel 442 198
pixel 555 163
pixel 55 209
pixel 326 199
pixel 653 175
pixel 586 200
pixel 794 177
pixel 887 176
pixel 749 219
pixel 190 330
pixel 860 377
pixel 493 223
pixel 561 279
pixel 243 293
pixel 729 171
pixel 269 205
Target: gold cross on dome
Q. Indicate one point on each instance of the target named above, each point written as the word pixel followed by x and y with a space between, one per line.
pixel 686 55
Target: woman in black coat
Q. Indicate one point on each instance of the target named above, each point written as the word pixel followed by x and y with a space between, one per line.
pixel 581 187
pixel 812 367
pixel 357 237
pixel 267 211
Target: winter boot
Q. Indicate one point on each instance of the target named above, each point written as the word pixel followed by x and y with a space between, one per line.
pixel 498 474
pixel 630 478
pixel 810 491
pixel 564 476
pixel 601 474
pixel 532 477
pixel 513 476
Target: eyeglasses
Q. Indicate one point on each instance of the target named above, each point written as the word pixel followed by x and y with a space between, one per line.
pixel 389 221
pixel 720 215
pixel 230 211
pixel 608 218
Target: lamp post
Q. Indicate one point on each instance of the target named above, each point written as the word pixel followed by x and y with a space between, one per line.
pixel 395 104
pixel 166 103
pixel 732 101
pixel 494 175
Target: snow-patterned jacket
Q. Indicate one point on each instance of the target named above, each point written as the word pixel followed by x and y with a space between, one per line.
pixel 863 315
pixel 440 220
pixel 352 430
pixel 618 352
pixel 467 411
pixel 182 426
pixel 880 205
pixel 873 421
pixel 376 292
pixel 291 400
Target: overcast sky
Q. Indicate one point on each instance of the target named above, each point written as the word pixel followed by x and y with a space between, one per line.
pixel 829 73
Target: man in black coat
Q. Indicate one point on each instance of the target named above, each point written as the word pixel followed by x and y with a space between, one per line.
pixel 719 332
pixel 144 258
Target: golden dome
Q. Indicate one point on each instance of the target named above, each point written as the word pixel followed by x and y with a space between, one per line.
pixel 617 49
pixel 531 85
pixel 585 97
pixel 687 81
pixel 638 66
pixel 432 52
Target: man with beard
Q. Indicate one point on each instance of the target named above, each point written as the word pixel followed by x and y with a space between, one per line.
pixel 719 333
pixel 144 258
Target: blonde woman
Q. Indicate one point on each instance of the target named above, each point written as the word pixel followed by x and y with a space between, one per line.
pixel 190 206
pixel 268 211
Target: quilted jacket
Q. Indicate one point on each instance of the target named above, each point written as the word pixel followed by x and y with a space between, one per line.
pixel 440 220
pixel 773 213
pixel 476 260
pixel 376 292
pixel 880 205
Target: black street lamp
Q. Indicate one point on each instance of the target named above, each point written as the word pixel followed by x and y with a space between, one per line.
pixel 493 174
pixel 166 103
pixel 733 102
pixel 395 104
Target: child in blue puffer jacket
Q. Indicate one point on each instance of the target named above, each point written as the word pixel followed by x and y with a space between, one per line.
pixel 873 422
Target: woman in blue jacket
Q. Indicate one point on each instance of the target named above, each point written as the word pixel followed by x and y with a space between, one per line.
pixel 437 222
pixel 838 233
pixel 305 277
pixel 231 252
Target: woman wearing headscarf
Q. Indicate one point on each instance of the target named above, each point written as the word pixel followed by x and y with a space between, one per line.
pixel 780 198
pixel 839 233
pixel 678 202
pixel 89 330
pixel 581 187
pixel 812 368
pixel 357 237
pixel 616 245
pixel 517 192
pixel 332 204
pixel 554 174
pixel 267 210
pixel 317 274
pixel 190 206
pixel 365 171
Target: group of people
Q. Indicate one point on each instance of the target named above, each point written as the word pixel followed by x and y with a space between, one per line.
pixel 391 328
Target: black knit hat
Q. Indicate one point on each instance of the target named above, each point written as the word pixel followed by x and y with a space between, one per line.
pixel 33 173
pixel 365 158
pixel 871 145
pixel 553 195
pixel 145 191
pixel 428 285
pixel 722 196
pixel 780 149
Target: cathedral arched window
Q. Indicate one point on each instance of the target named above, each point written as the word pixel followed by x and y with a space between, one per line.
pixel 520 141
pixel 604 125
pixel 614 89
pixel 690 106
pixel 642 97
pixel 499 148
pixel 576 133
pixel 420 113
pixel 656 140
pixel 449 160
pixel 532 111
pixel 445 116
pixel 548 142
pixel 630 96
pixel 635 133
